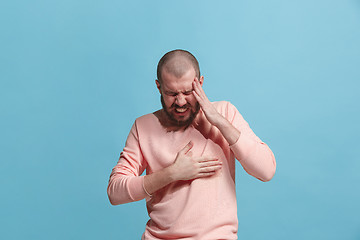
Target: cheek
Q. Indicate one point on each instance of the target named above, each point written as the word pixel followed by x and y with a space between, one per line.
pixel 192 100
pixel 168 101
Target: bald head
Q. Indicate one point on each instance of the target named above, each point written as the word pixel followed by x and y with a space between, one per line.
pixel 177 62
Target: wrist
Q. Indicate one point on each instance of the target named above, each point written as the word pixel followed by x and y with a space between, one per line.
pixel 158 180
pixel 219 121
pixel 171 173
pixel 230 133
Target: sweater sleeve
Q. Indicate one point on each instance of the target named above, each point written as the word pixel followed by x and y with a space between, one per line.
pixel 255 156
pixel 125 183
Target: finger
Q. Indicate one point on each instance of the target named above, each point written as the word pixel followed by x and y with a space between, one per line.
pixel 210 163
pixel 210 169
pixel 197 82
pixel 198 86
pixel 197 97
pixel 207 174
pixel 187 148
pixel 207 159
pixel 189 154
pixel 199 91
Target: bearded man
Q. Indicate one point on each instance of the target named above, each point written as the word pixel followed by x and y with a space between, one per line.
pixel 188 149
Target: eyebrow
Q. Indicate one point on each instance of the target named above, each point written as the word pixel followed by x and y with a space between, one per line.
pixel 171 92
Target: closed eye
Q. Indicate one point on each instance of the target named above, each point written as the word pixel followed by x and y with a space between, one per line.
pixel 174 94
pixel 171 94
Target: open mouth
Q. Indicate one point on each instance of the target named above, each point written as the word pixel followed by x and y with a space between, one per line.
pixel 181 111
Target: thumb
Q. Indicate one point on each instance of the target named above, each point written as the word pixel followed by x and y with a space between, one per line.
pixel 187 148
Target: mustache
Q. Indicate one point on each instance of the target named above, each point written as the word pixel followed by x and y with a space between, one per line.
pixel 182 107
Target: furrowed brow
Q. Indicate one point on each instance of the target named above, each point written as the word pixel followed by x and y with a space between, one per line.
pixel 169 92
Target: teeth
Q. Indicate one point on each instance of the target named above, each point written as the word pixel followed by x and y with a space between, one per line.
pixel 181 110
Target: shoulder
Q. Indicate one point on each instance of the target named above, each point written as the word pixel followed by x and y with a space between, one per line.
pixel 221 104
pixel 146 120
pixel 224 106
pixel 228 110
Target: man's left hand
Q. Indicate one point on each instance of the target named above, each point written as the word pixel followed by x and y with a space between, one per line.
pixel 212 115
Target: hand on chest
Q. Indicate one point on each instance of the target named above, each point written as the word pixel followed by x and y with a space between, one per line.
pixel 160 150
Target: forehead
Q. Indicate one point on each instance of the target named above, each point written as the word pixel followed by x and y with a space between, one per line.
pixel 176 84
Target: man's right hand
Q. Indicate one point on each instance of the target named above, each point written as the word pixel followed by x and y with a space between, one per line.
pixel 187 167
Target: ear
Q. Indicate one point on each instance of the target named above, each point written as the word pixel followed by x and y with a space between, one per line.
pixel 201 80
pixel 158 85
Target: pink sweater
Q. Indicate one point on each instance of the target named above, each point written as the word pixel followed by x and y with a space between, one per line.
pixel 203 208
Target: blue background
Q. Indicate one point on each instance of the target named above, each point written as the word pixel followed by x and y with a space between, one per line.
pixel 75 74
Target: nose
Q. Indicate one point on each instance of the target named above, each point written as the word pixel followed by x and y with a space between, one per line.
pixel 180 100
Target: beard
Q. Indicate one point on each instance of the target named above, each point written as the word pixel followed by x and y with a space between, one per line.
pixel 181 123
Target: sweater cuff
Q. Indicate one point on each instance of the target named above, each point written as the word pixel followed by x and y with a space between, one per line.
pixel 147 193
pixel 136 189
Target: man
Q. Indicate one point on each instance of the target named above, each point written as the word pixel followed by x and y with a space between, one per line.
pixel 188 149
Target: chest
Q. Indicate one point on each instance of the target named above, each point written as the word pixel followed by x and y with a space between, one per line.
pixel 160 149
